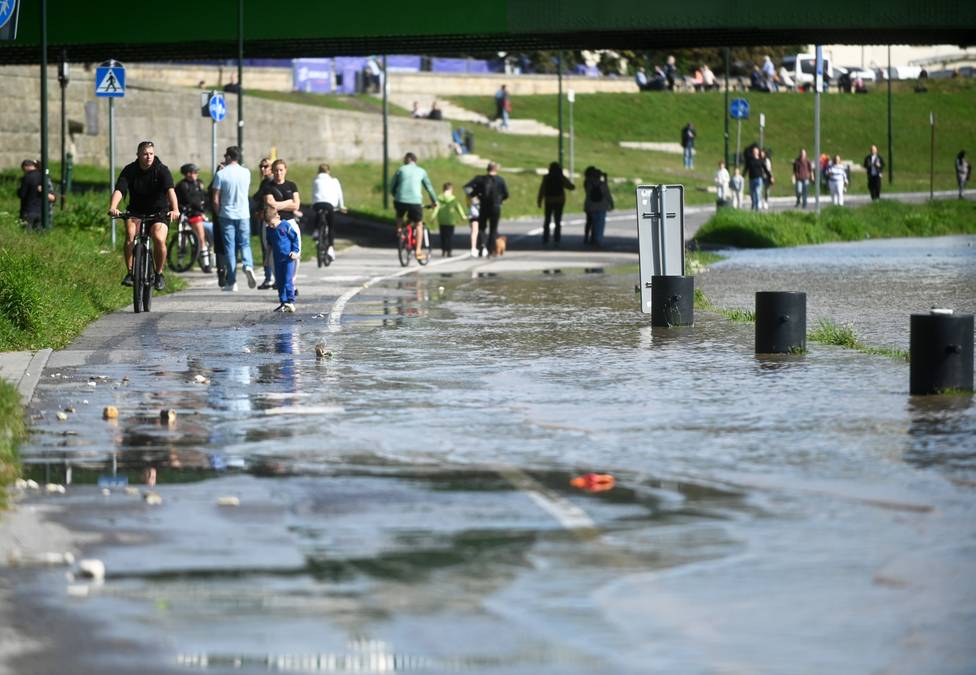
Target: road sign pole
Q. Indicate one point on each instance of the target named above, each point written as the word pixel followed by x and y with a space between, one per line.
pixel 572 146
pixel 762 130
pixel 45 214
pixel 386 135
pixel 817 81
pixel 213 147
pixel 63 81
pixel 726 155
pixel 240 78
pixel 559 98
pixel 111 155
pixel 932 157
pixel 738 140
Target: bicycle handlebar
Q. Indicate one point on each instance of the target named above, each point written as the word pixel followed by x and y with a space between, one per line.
pixel 125 215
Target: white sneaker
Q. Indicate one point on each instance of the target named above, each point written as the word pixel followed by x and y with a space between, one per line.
pixel 232 288
pixel 251 281
pixel 289 306
pixel 474 252
pixel 330 252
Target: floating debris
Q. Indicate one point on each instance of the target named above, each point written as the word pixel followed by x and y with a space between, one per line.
pixel 92 383
pixel 321 351
pixel 152 498
pixel 61 416
pixel 106 492
pixel 228 501
pixel 92 568
pixel 247 350
pixel 594 482
pixel 32 484
pixel 54 488
pixel 167 416
pixel 110 412
pixel 69 409
pixel 132 491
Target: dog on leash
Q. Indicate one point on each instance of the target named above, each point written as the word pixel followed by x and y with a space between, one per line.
pixel 501 243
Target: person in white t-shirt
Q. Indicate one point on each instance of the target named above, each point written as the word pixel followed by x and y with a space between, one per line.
pixel 722 178
pixel 837 180
pixel 326 200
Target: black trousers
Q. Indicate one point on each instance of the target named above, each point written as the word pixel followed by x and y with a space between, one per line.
pixel 488 228
pixel 588 229
pixel 325 215
pixel 874 186
pixel 447 235
pixel 554 214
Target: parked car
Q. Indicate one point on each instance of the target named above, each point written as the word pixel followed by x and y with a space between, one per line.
pixel 803 68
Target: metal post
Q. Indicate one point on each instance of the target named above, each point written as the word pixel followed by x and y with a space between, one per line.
pixel 932 157
pixel 111 155
pixel 386 137
pixel 45 214
pixel 213 142
pixel 726 115
pixel 891 156
pixel 762 131
pixel 572 148
pixel 817 83
pixel 738 141
pixel 559 77
pixel 63 81
pixel 240 77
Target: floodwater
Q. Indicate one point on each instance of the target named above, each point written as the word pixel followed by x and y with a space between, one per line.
pixel 405 506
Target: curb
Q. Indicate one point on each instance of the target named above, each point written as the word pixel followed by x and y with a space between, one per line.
pixel 32 375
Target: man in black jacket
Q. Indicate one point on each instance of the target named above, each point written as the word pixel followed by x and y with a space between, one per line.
pixel 32 195
pixel 874 165
pixel 491 191
pixel 149 185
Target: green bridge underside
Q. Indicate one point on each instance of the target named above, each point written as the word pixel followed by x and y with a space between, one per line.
pixel 190 29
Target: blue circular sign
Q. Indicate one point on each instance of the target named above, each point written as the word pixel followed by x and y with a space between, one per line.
pixel 6 11
pixel 739 109
pixel 218 108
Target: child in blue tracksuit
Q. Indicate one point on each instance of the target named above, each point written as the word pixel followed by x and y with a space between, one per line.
pixel 286 248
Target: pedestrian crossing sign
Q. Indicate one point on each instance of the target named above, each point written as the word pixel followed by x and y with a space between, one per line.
pixel 110 81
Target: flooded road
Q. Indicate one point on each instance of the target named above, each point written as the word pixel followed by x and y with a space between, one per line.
pixel 405 502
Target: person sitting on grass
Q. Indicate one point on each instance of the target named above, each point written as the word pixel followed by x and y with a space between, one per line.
pixel 286 248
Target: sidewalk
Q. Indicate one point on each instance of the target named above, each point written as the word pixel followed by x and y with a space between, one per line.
pixel 23 370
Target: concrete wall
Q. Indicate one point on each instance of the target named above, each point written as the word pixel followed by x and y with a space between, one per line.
pixel 170 117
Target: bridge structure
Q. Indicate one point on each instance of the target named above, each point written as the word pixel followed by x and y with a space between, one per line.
pixel 188 29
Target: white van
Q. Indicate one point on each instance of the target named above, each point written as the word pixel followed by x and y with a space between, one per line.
pixel 803 68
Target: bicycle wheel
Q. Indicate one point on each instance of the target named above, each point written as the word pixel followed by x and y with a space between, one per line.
pixel 138 253
pixel 403 247
pixel 324 246
pixel 320 252
pixel 149 274
pixel 426 248
pixel 183 250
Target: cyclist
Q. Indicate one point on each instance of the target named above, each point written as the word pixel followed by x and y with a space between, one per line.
pixel 149 186
pixel 408 183
pixel 326 200
pixel 192 198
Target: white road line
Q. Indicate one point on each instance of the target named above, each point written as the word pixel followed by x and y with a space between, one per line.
pixel 566 513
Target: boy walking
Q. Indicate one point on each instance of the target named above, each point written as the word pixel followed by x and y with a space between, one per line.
pixel 449 213
pixel 285 241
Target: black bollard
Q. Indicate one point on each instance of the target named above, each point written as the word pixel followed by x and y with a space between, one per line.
pixel 672 301
pixel 941 352
pixel 781 322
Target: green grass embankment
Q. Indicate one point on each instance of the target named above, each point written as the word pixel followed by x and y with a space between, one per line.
pixel 12 431
pixel 849 125
pixel 882 219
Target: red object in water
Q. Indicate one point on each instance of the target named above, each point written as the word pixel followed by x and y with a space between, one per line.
pixel 594 482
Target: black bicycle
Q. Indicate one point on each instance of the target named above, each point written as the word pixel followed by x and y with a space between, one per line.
pixel 143 266
pixel 184 247
pixel 324 216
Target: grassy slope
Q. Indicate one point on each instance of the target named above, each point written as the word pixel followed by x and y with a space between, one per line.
pixel 849 125
pixel 876 220
pixel 12 431
pixel 357 103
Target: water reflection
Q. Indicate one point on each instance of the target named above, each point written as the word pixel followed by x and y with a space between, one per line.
pixel 941 434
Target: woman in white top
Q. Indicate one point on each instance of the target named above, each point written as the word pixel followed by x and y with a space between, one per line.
pixel 326 200
pixel 722 182
pixel 837 179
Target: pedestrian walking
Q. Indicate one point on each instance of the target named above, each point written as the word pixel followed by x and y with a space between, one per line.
pixel 802 174
pixel 963 171
pixel 259 227
pixel 768 178
pixel 282 194
pixel 448 213
pixel 503 106
pixel 688 135
pixel 838 181
pixel 756 170
pixel 721 181
pixel 599 201
pixel 286 249
pixel 31 194
pixel 552 195
pixel 738 184
pixel 231 185
pixel 491 191
pixel 474 213
pixel 874 165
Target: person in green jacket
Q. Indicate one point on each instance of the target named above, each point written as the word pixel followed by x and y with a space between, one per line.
pixel 448 213
pixel 409 183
